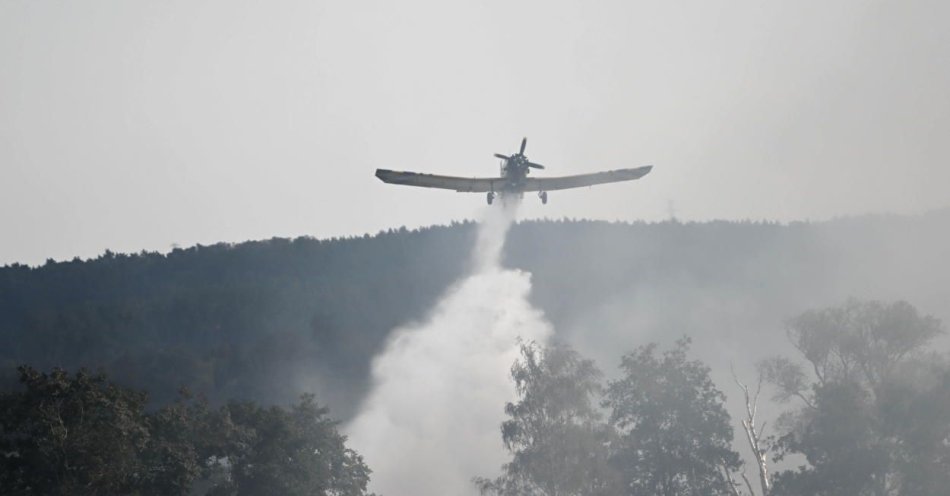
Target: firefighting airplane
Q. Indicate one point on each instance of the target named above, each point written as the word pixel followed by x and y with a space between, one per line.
pixel 514 180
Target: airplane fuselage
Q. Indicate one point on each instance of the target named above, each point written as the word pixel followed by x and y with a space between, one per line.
pixel 515 171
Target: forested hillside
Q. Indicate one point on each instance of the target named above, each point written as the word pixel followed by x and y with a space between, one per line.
pixel 268 320
pixel 261 320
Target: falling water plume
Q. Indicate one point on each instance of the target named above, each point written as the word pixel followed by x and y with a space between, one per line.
pixel 431 421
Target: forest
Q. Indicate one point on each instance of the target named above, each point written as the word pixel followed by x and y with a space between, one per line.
pixel 223 369
pixel 866 413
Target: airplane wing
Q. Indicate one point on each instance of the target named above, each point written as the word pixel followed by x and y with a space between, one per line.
pixel 581 180
pixel 461 184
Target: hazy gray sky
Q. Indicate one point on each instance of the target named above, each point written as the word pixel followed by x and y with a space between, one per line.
pixel 134 125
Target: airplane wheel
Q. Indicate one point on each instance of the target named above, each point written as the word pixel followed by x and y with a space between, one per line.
pixel 491 197
pixel 544 197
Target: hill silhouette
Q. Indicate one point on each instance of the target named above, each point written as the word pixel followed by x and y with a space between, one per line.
pixel 267 320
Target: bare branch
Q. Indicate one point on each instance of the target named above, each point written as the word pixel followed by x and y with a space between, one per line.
pixel 754 435
pixel 748 484
pixel 730 482
pixel 806 400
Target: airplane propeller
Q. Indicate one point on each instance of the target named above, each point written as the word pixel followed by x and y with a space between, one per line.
pixel 524 143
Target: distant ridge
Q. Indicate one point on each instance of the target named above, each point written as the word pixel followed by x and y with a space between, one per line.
pixel 266 320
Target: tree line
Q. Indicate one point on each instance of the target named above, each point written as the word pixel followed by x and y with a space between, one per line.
pixel 260 320
pixel 868 413
pixel 80 434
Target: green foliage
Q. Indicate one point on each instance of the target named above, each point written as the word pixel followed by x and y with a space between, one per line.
pixel 674 431
pixel 257 320
pixel 860 341
pixel 874 421
pixel 71 435
pixel 183 436
pixel 288 452
pixel 668 434
pixel 249 321
pixel 554 433
pixel 78 434
pixel 914 412
pixel 265 320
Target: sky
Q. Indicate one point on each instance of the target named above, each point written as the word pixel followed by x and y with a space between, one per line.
pixel 134 125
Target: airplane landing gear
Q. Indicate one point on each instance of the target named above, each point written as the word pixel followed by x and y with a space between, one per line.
pixel 543 195
pixel 491 197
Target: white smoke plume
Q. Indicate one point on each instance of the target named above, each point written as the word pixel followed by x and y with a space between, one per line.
pixel 432 420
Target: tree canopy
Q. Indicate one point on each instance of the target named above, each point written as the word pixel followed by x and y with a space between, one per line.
pixel 554 431
pixel 269 320
pixel 675 432
pixel 70 434
pixel 875 403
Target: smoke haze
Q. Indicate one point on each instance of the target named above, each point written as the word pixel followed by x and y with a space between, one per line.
pixel 440 385
pixel 180 111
